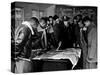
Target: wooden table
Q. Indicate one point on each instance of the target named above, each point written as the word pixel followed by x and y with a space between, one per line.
pixel 60 56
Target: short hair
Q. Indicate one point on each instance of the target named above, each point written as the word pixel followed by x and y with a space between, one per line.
pixel 75 18
pixel 44 19
pixel 65 19
pixel 79 17
pixel 35 19
pixel 50 17
pixel 55 17
pixel 86 18
pixel 47 18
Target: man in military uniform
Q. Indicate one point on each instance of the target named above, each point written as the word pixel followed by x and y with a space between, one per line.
pixel 26 38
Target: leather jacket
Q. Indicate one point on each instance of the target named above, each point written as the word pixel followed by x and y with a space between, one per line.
pixel 25 41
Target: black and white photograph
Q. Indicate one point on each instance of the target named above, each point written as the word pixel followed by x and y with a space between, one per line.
pixel 53 37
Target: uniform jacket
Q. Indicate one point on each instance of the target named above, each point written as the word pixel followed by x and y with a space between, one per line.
pixel 26 38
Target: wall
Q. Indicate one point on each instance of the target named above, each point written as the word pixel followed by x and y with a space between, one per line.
pixel 28 7
pixel 72 11
pixel 50 10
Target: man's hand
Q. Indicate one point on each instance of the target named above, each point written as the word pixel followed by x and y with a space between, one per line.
pixel 59 46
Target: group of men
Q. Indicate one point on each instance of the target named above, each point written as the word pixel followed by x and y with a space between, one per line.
pixel 57 33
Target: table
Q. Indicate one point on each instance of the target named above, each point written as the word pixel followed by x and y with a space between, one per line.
pixel 73 54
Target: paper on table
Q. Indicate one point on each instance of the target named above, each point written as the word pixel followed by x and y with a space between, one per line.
pixel 72 54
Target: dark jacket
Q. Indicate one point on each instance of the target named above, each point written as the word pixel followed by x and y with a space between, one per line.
pixel 76 33
pixel 64 34
pixel 58 29
pixel 25 41
pixel 67 37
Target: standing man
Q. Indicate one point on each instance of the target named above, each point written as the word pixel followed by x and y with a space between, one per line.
pixel 43 29
pixel 50 34
pixel 58 28
pixel 66 35
pixel 24 36
pixel 76 29
pixel 91 58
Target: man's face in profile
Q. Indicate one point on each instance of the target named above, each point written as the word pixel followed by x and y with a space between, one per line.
pixel 42 23
pixel 33 24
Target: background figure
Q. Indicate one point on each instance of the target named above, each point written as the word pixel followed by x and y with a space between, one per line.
pixel 43 29
pixel 52 44
pixel 76 29
pixel 51 20
pixel 66 34
pixel 83 45
pixel 91 58
pixel 58 28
